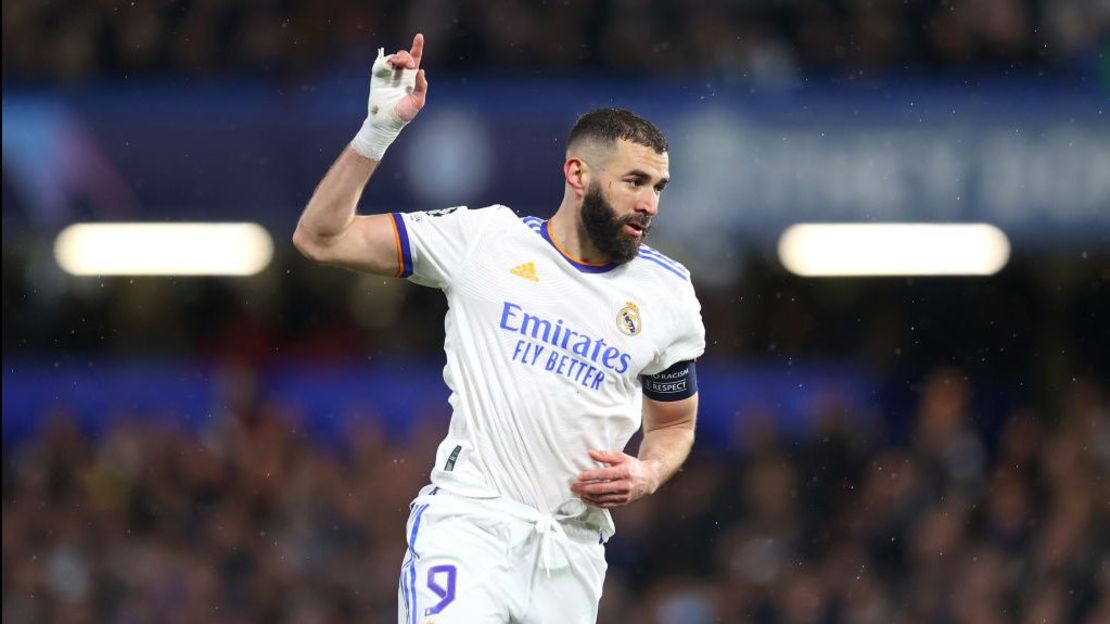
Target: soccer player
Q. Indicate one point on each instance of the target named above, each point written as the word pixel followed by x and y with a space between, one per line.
pixel 562 337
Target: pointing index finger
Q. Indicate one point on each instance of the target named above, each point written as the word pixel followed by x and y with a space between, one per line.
pixel 417 49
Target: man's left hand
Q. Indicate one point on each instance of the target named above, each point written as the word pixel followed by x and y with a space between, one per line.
pixel 624 479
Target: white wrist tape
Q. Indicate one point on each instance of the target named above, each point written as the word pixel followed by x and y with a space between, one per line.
pixel 388 86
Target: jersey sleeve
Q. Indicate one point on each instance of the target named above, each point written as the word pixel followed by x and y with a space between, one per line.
pixel 433 245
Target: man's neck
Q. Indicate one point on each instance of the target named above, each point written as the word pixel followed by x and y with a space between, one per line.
pixel 566 229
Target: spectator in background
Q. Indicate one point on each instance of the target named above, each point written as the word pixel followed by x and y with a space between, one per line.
pixel 770 42
pixel 253 521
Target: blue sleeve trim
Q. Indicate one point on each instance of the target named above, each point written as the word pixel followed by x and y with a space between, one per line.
pixel 678 382
pixel 403 244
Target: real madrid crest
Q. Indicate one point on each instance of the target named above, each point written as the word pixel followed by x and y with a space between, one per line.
pixel 628 319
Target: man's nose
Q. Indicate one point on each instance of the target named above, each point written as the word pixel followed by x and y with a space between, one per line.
pixel 648 204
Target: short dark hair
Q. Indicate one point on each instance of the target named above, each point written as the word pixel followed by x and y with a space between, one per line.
pixel 609 124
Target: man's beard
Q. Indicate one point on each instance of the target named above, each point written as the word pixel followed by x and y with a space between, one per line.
pixel 606 230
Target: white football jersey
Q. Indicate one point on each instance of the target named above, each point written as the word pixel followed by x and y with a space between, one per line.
pixel 544 353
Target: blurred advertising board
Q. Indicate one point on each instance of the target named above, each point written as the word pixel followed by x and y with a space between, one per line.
pixel 1030 156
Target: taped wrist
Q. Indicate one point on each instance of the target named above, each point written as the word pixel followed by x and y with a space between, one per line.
pixel 373 139
pixel 388 87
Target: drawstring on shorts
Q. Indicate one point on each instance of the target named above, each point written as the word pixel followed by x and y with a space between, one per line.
pixel 549 528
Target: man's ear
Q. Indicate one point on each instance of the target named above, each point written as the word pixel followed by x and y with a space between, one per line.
pixel 577 174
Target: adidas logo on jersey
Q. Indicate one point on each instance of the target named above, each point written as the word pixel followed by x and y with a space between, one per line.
pixel 526 270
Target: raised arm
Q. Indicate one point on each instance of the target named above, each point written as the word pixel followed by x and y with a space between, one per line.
pixel 329 230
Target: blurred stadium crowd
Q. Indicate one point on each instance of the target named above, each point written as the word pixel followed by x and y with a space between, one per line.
pixel 752 39
pixel 251 521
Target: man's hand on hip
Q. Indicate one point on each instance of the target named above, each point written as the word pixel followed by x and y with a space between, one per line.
pixel 624 479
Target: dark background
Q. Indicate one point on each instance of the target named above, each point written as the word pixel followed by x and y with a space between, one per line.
pixel 870 450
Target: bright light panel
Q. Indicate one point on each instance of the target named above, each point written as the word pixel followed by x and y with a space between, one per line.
pixel 859 249
pixel 163 249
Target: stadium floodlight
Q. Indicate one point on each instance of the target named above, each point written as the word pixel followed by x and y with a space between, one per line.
pixel 163 249
pixel 889 249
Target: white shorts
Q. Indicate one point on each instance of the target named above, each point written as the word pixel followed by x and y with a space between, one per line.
pixel 485 561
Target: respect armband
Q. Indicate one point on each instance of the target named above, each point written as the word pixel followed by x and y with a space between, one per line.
pixel 678 382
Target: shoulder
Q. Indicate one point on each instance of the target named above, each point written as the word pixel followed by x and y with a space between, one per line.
pixel 493 215
pixel 672 286
pixel 462 217
pixel 504 220
pixel 653 262
pixel 669 281
pixel 462 213
pixel 534 223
